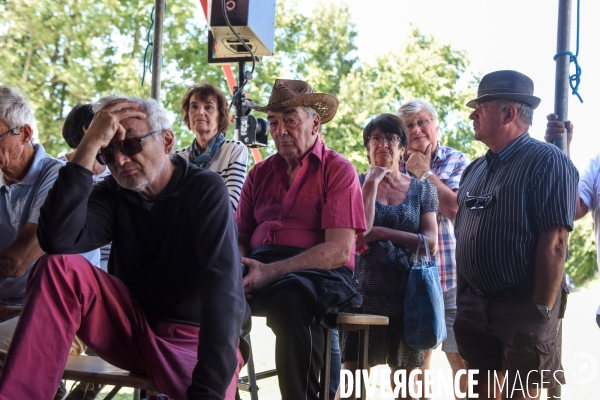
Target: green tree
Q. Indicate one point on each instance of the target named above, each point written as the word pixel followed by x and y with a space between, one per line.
pixel 423 68
pixel 74 51
pixel 582 264
pixel 64 53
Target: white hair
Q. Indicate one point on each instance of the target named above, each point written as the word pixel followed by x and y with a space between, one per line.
pixel 310 111
pixel 156 115
pixel 14 108
pixel 414 106
pixel 524 111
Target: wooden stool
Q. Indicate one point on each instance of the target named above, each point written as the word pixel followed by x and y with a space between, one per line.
pixel 346 322
pixel 360 323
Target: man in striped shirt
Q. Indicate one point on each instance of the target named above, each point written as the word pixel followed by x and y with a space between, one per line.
pixel 443 166
pixel 515 208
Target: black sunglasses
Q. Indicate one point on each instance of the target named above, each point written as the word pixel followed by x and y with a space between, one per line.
pixel 128 147
pixel 479 202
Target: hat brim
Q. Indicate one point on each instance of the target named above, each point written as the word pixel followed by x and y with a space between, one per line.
pixel 325 104
pixel 533 101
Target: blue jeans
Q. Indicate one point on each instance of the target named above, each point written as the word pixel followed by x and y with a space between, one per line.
pixel 336 364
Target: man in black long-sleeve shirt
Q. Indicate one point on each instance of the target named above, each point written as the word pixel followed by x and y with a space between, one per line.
pixel 173 304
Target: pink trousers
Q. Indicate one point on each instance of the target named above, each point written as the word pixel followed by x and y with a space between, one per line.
pixel 67 296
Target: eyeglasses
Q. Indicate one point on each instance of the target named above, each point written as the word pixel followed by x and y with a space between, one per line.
pixel 421 123
pixel 128 147
pixel 390 139
pixel 10 132
pixel 479 202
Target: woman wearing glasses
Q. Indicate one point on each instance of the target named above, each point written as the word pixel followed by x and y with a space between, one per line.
pixel 205 111
pixel 397 208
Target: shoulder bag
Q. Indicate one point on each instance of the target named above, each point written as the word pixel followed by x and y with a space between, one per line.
pixel 424 321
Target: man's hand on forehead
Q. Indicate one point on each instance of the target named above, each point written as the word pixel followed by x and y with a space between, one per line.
pixel 107 121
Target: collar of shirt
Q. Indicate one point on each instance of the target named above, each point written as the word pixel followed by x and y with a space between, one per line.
pixel 439 154
pixel 507 151
pixel 279 165
pixel 34 170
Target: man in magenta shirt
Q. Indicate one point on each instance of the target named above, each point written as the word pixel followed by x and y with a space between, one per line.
pixel 298 214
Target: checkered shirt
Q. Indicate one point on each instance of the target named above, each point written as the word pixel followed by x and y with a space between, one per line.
pixel 448 165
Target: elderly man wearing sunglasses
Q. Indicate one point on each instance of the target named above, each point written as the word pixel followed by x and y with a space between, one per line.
pixel 172 305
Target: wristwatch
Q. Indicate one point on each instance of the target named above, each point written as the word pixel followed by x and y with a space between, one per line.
pixel 545 311
pixel 426 175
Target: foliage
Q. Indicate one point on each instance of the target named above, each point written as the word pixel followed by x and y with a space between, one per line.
pixel 582 264
pixel 422 68
pixel 64 53
pixel 75 51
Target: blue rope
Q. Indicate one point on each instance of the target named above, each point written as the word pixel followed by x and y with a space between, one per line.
pixel 150 44
pixel 575 79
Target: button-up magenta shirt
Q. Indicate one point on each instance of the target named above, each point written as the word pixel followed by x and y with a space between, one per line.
pixel 325 194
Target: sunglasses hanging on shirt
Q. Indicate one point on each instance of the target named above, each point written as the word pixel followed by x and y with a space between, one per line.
pixel 479 202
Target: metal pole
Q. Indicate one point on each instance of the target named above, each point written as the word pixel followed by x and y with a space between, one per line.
pixel 238 100
pixel 159 15
pixel 561 108
pixel 561 87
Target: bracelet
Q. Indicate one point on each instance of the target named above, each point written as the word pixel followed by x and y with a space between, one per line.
pixel 426 175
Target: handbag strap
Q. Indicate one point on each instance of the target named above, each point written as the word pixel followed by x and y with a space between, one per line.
pixel 419 240
pixel 423 238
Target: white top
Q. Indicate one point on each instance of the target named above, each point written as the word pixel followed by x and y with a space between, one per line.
pixel 589 191
pixel 96 177
pixel 230 161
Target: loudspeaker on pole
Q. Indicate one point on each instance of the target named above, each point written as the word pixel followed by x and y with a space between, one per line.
pixel 252 20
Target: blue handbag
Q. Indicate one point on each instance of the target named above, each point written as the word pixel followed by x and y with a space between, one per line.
pixel 424 321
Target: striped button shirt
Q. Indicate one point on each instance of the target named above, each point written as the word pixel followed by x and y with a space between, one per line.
pixel 533 189
pixel 448 165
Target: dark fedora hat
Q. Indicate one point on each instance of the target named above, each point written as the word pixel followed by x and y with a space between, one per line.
pixel 289 93
pixel 507 84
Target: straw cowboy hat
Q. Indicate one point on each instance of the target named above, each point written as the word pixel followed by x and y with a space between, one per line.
pixel 290 93
pixel 507 84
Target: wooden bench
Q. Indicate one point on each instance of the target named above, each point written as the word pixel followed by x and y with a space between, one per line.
pixel 93 369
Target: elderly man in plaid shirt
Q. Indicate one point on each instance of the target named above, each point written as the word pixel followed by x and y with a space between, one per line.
pixel 443 166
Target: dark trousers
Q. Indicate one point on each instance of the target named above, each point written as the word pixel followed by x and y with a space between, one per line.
pixel 336 364
pixel 508 333
pixel 300 343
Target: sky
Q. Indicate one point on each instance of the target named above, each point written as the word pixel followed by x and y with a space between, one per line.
pixel 505 34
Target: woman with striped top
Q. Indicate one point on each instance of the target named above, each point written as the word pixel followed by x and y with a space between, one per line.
pixel 205 111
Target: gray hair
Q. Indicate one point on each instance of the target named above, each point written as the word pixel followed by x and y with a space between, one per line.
pixel 414 106
pixel 524 111
pixel 156 115
pixel 14 108
pixel 310 111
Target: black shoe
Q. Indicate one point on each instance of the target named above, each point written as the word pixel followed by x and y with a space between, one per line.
pixel 61 392
pixel 85 391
